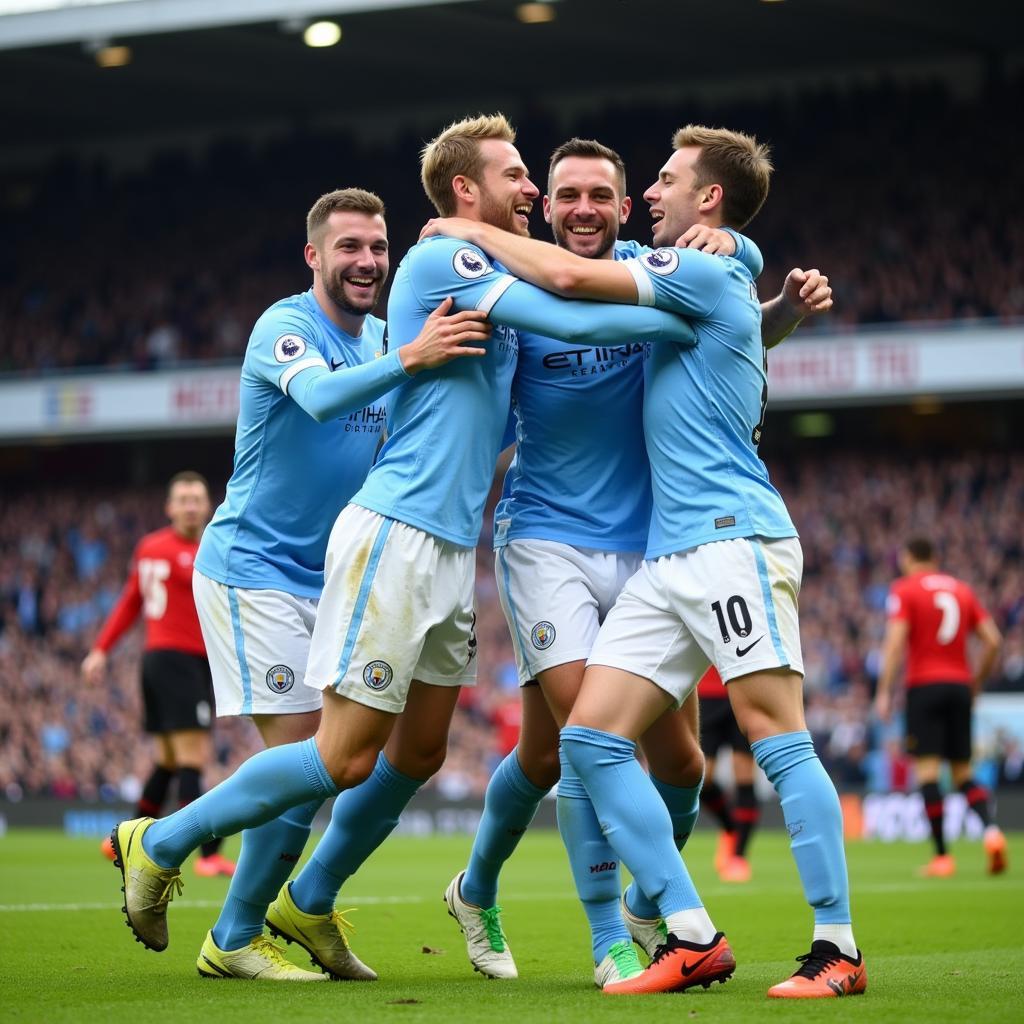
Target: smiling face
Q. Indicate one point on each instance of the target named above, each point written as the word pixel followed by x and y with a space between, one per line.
pixel 506 194
pixel 350 256
pixel 674 201
pixel 584 207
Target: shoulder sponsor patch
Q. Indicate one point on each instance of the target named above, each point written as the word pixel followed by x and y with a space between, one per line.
pixel 661 261
pixel 288 347
pixel 468 263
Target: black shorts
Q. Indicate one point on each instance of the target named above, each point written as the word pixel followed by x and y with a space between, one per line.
pixel 939 721
pixel 718 727
pixel 177 691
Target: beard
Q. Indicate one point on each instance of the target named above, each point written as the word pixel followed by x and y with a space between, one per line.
pixel 604 240
pixel 494 213
pixel 335 288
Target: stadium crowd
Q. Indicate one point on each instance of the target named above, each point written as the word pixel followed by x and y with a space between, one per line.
pixel 63 556
pixel 173 263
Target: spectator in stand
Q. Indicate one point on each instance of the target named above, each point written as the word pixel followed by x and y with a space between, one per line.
pixel 176 685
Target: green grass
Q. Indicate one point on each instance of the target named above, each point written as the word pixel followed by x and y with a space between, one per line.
pixel 935 950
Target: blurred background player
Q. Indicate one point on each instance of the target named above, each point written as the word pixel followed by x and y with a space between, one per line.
pixel 176 687
pixel 718 729
pixel 930 617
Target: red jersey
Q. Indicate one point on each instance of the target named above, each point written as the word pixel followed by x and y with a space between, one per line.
pixel 941 612
pixel 711 686
pixel 160 586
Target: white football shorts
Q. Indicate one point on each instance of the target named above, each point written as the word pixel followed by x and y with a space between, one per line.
pixel 555 597
pixel 730 603
pixel 397 605
pixel 258 645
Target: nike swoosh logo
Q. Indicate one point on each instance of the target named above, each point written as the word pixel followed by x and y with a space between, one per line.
pixel 740 651
pixel 335 365
pixel 687 969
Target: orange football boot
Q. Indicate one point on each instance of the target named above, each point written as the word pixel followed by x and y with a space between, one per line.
pixel 735 869
pixel 215 864
pixel 725 851
pixel 107 849
pixel 995 847
pixel 941 865
pixel 679 965
pixel 826 974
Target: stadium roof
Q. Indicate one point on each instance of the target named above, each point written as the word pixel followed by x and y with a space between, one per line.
pixel 394 65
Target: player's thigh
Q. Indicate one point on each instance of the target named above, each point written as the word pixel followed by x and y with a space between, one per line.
pixel 642 637
pixel 560 685
pixel 768 703
pixel 616 701
pixel 537 749
pixel 192 747
pixel 551 595
pixel 258 645
pixel 419 741
pixel 672 748
pixel 277 730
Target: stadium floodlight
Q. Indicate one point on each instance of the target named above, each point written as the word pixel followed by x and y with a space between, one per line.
pixel 535 13
pixel 114 56
pixel 322 33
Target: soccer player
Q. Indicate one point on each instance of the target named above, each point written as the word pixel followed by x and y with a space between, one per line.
pixel 395 626
pixel 720 576
pixel 570 530
pixel 931 616
pixel 176 687
pixel 718 728
pixel 311 416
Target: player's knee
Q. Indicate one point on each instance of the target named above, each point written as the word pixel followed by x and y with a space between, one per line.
pixel 353 770
pixel 541 766
pixel 421 763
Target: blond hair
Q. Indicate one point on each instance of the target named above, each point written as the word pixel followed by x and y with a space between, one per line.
pixel 737 162
pixel 341 200
pixel 456 151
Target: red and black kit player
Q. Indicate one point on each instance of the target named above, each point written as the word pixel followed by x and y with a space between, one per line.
pixel 177 689
pixel 718 728
pixel 930 617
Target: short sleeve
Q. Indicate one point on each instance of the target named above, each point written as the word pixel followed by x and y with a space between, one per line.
pixel 684 281
pixel 895 606
pixel 449 267
pixel 282 344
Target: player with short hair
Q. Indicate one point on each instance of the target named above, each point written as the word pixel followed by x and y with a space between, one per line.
pixel 721 571
pixel 311 416
pixel 931 615
pixel 569 531
pixel 718 729
pixel 176 689
pixel 395 626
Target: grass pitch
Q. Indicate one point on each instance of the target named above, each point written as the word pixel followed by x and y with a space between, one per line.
pixel 936 951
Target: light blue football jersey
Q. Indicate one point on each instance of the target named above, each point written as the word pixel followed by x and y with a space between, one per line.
pixel 446 425
pixel 292 475
pixel 704 404
pixel 580 474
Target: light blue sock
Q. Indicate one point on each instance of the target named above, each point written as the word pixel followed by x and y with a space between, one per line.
pixel 263 788
pixel 362 819
pixel 594 863
pixel 683 803
pixel 814 821
pixel 509 806
pixel 632 815
pixel 268 855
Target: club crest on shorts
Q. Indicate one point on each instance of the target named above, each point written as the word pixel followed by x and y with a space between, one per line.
pixel 468 263
pixel 378 675
pixel 542 636
pixel 662 261
pixel 280 679
pixel 288 347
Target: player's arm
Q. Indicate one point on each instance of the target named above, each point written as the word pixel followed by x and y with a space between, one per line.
pixel 991 640
pixel 543 264
pixel 804 293
pixel 894 643
pixel 118 622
